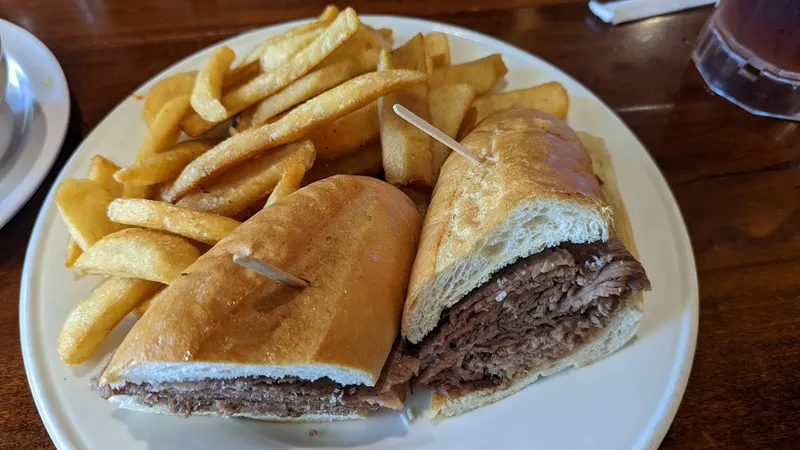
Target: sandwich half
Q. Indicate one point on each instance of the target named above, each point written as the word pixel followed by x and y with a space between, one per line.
pixel 525 267
pixel 225 340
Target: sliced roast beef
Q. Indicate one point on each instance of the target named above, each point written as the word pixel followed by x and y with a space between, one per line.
pixel 540 308
pixel 285 397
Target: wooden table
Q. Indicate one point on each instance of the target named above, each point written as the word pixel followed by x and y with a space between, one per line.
pixel 735 176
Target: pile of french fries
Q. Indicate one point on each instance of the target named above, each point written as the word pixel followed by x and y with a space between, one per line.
pixel 225 141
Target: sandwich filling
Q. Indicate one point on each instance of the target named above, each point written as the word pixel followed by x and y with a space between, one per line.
pixel 283 397
pixel 537 310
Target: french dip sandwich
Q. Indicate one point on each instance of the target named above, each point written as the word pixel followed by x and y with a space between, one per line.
pixel 525 266
pixel 225 340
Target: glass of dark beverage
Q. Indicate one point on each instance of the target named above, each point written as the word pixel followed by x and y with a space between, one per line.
pixel 749 53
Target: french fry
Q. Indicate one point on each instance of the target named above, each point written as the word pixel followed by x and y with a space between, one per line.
pixel 449 104
pixel 255 54
pixel 386 33
pixel 314 83
pixel 290 182
pixel 165 90
pixel 102 171
pixel 366 161
pixel 348 133
pixel 322 109
pixel 250 93
pixel 251 65
pixel 207 93
pixel 438 48
pixel 130 191
pixel 242 186
pixel 329 13
pixel 73 252
pixel 282 51
pixel 242 73
pixel 90 322
pixel 138 253
pixel 375 38
pixel 162 167
pixel 83 204
pixel 200 226
pixel 549 97
pixel 482 74
pixel 165 129
pixel 407 157
pixel 365 39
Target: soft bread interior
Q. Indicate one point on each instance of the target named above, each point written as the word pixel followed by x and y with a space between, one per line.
pixel 170 372
pixel 618 331
pixel 131 403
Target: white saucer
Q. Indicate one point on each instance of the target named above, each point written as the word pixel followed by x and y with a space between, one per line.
pixel 33 118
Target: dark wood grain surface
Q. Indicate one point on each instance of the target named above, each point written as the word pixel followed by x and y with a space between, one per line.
pixel 735 176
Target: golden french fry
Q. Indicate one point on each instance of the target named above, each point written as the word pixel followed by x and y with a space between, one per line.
pixel 73 252
pixel 438 48
pixel 329 13
pixel 482 74
pixel 314 83
pixel 267 84
pixel 165 90
pixel 200 226
pixel 206 99
pixel 386 32
pixel 130 191
pixel 549 97
pixel 282 51
pixel 162 167
pixel 165 129
pixel 347 134
pixel 138 253
pixel 90 322
pixel 256 52
pixel 322 109
pixel 407 157
pixel 375 38
pixel 242 186
pixel 102 171
pixel 240 74
pixel 449 104
pixel 82 204
pixel 366 161
pixel 290 182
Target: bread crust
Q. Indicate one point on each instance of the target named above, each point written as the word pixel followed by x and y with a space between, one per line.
pixel 353 238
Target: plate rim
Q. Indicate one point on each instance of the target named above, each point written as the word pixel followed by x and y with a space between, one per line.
pixel 687 338
pixel 41 169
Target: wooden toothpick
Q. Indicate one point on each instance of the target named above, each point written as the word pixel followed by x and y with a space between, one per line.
pixel 434 132
pixel 268 270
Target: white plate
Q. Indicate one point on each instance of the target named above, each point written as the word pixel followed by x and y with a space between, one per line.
pixel 33 117
pixel 625 401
